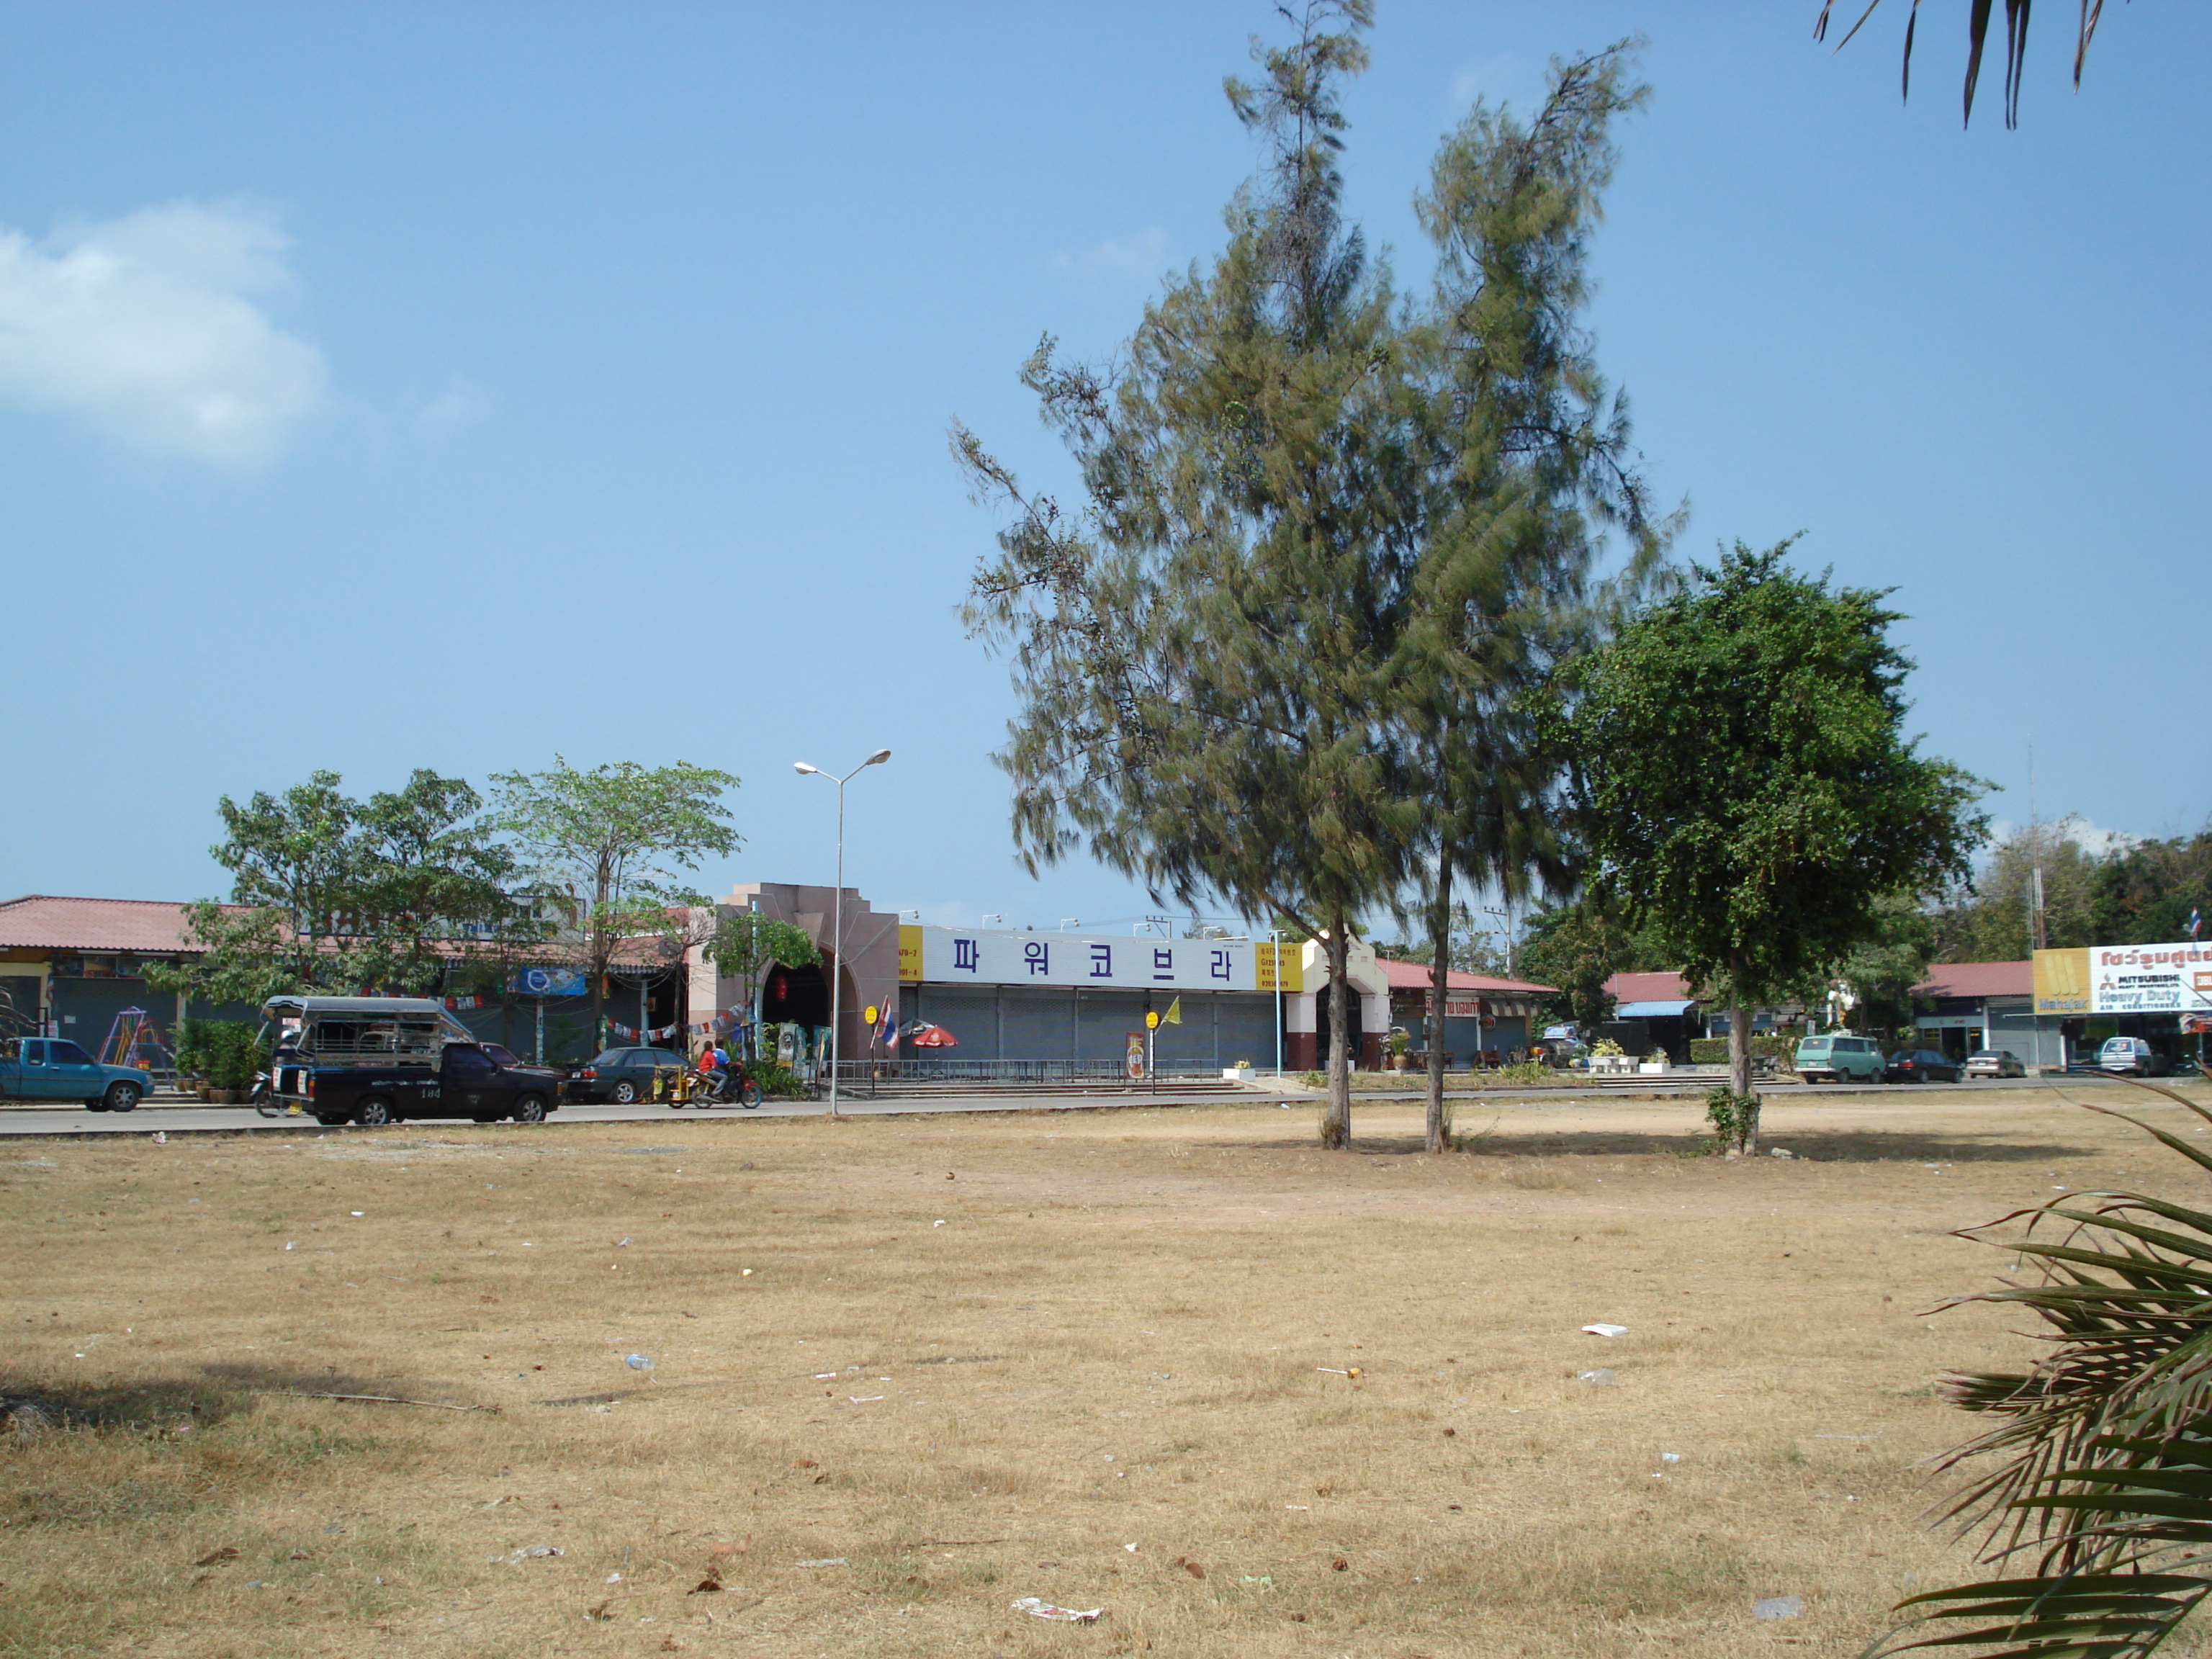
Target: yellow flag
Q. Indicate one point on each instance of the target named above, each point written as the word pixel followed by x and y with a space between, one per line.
pixel 1174 1015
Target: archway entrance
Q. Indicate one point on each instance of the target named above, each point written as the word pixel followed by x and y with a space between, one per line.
pixel 794 996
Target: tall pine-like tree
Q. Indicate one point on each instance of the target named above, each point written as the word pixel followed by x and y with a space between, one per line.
pixel 1201 651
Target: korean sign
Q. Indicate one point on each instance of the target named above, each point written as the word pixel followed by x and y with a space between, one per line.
pixel 957 955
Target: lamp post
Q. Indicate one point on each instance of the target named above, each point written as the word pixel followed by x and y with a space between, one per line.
pixel 837 912
pixel 1275 936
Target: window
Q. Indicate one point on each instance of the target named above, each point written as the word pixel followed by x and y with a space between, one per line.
pixel 468 1062
pixel 68 1054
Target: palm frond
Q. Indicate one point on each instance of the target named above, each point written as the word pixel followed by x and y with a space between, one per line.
pixel 2104 1446
pixel 1978 14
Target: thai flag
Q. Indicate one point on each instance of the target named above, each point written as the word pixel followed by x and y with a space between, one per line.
pixel 888 1034
pixel 2196 921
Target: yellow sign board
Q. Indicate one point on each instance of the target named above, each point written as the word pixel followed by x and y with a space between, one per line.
pixel 909 954
pixel 2061 981
pixel 1279 967
pixel 1151 1019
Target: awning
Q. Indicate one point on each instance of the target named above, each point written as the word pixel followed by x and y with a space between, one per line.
pixel 1650 1010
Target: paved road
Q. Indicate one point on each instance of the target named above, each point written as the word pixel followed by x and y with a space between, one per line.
pixel 183 1117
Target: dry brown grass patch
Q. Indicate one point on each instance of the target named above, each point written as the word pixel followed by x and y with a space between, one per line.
pixel 1118 1336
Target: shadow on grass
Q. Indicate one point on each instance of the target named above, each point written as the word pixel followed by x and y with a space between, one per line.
pixel 1826 1146
pixel 219 1392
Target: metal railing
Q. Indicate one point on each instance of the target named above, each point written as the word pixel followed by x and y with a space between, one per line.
pixel 1102 1072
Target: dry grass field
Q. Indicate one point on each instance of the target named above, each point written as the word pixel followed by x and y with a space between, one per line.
pixel 907 1370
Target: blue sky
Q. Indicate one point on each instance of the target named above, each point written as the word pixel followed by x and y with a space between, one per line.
pixel 400 386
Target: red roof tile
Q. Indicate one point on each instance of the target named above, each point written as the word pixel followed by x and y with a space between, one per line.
pixel 1979 979
pixel 1647 987
pixel 41 921
pixel 1414 975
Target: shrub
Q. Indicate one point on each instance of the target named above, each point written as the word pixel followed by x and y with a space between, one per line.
pixel 1734 1119
pixel 229 1053
pixel 777 1081
pixel 1713 1051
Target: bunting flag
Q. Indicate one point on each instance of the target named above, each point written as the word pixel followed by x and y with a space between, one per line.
pixel 459 1004
pixel 659 1034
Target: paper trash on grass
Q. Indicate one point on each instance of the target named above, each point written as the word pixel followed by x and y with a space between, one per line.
pixel 1037 1607
pixel 1779 1607
pixel 822 1561
pixel 1606 1330
pixel 530 1551
pixel 1600 1378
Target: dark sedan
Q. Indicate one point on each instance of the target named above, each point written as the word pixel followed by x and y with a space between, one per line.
pixel 622 1075
pixel 1922 1065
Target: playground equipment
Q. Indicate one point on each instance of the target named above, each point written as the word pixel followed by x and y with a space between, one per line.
pixel 135 1039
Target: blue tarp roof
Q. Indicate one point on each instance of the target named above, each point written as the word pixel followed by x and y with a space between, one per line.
pixel 1650 1010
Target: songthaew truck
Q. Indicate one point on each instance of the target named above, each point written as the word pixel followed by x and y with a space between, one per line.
pixel 58 1070
pixel 378 1059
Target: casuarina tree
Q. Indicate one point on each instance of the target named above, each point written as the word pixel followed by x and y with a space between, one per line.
pixel 1521 467
pixel 1751 795
pixel 1200 649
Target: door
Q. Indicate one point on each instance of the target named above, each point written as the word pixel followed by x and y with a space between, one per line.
pixel 71 1074
pixel 471 1085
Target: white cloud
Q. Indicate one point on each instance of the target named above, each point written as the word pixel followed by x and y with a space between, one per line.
pixel 1141 258
pixel 143 327
pixel 456 407
pixel 2090 838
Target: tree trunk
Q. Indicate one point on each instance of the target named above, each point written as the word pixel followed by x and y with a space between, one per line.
pixel 1739 1049
pixel 1437 1131
pixel 1336 1121
pixel 1739 1077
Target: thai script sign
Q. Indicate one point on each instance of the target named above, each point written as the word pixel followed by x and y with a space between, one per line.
pixel 2125 979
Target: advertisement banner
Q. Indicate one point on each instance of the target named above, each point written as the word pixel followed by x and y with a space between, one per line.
pixel 2125 979
pixel 953 956
pixel 910 969
pixel 552 982
pixel 1279 967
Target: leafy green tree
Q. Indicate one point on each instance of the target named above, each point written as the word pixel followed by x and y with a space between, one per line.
pixel 2144 893
pixel 1199 652
pixel 1882 969
pixel 1578 946
pixel 1751 797
pixel 746 944
pixel 615 840
pixel 329 893
pixel 1992 921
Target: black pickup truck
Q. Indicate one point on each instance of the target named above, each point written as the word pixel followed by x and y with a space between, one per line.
pixel 380 1059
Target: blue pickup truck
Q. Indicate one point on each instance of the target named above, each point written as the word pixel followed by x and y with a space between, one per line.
pixel 54 1068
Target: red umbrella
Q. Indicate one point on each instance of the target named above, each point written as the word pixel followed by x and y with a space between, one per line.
pixel 932 1036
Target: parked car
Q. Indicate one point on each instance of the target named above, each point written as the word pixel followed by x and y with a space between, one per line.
pixel 622 1075
pixel 1838 1057
pixel 378 1059
pixel 56 1069
pixel 1922 1065
pixel 1993 1062
pixel 2128 1054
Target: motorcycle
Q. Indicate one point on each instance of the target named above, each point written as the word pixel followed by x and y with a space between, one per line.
pixel 719 1089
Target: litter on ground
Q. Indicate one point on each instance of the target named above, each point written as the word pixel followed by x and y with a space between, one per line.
pixel 1037 1607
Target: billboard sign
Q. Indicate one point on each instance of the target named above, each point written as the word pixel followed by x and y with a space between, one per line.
pixel 541 982
pixel 2125 979
pixel 956 956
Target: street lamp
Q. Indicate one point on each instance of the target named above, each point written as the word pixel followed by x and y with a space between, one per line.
pixel 837 910
pixel 1506 916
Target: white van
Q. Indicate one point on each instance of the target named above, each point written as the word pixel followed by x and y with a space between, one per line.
pixel 2131 1054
